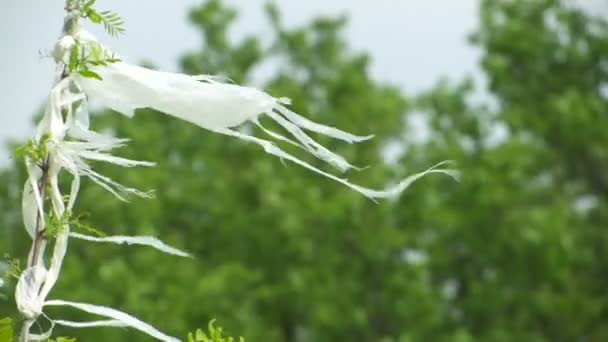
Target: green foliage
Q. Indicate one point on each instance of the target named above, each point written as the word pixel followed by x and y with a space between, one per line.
pixel 216 334
pixel 14 267
pixel 515 252
pixel 10 270
pixel 82 56
pixel 36 151
pixel 78 223
pixel 112 22
pixel 6 330
pixel 56 224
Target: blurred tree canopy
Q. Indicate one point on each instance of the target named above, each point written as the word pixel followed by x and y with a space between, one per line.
pixel 515 252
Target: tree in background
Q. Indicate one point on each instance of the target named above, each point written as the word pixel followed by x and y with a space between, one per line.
pixel 514 252
pixel 521 241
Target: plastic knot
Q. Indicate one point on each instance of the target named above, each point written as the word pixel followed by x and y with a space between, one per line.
pixel 27 294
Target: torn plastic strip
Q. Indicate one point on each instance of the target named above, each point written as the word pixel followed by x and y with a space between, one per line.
pixel 149 241
pixel 114 314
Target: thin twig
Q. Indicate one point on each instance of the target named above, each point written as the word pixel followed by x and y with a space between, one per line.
pixel 39 234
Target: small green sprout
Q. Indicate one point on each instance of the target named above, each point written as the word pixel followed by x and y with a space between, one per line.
pixel 216 334
pixel 56 224
pixel 36 151
pixel 82 56
pixel 14 267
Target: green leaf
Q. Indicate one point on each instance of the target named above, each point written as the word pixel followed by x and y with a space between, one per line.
pixel 14 268
pixel 87 229
pixel 113 23
pixel 90 74
pixel 6 330
pixel 98 63
pixel 94 16
pixel 74 57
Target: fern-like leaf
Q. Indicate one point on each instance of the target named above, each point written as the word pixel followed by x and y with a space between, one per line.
pixel 112 22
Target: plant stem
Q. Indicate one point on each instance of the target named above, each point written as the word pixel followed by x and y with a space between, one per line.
pixel 39 234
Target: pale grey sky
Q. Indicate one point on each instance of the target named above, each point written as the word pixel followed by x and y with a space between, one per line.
pixel 412 42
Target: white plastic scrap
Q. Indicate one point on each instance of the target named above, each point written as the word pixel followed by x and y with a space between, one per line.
pixel 220 107
pixel 106 323
pixel 115 315
pixel 134 240
pixel 27 296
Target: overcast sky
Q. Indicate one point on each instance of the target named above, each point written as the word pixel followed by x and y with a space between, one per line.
pixel 412 42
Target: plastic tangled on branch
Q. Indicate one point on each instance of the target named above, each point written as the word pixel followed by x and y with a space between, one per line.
pixel 36 281
pixel 202 100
